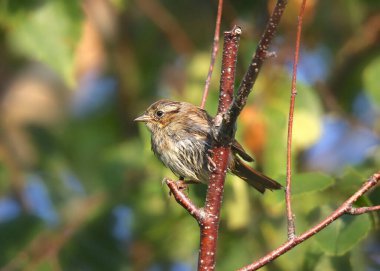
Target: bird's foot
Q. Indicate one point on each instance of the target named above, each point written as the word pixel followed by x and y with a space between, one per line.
pixel 181 185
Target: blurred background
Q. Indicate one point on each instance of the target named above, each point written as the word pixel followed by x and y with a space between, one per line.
pixel 80 188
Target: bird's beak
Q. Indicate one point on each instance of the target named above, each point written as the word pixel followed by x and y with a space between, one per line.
pixel 143 118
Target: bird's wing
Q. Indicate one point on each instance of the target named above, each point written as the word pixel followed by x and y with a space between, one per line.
pixel 237 148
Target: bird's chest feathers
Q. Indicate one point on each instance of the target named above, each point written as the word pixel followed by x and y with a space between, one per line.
pixel 172 146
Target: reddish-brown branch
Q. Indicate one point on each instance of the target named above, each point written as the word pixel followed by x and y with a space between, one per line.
pixel 209 216
pixel 184 200
pixel 220 156
pixel 210 225
pixel 215 48
pixel 362 210
pixel 289 213
pixel 227 79
pixel 345 208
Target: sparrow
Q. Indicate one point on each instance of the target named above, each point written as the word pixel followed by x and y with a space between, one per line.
pixel 181 138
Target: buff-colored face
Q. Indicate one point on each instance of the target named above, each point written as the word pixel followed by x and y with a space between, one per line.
pixel 159 114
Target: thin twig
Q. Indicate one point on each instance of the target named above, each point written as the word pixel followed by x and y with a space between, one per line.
pixel 362 210
pixel 208 217
pixel 289 212
pixel 215 49
pixel 345 208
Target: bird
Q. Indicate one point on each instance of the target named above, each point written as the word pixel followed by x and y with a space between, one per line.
pixel 181 138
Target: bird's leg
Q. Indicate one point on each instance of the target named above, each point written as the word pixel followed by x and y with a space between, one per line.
pixel 182 184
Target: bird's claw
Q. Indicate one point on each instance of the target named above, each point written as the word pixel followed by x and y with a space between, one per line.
pixel 181 185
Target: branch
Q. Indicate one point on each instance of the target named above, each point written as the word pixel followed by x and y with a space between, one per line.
pixel 215 49
pixel 220 157
pixel 345 208
pixel 208 217
pixel 362 210
pixel 289 214
pixel 184 200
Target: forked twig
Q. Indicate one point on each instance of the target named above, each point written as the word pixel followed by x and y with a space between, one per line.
pixel 345 208
pixel 208 217
pixel 253 69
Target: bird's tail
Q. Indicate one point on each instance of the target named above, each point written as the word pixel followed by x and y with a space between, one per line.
pixel 254 178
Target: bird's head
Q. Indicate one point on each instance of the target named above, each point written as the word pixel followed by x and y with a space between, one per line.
pixel 160 114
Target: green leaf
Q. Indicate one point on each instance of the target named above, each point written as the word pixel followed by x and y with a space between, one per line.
pixel 342 235
pixel 16 234
pixel 48 33
pixel 371 80
pixel 309 182
pixel 352 179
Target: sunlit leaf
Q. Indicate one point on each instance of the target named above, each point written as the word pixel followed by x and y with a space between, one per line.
pixel 48 34
pixel 306 128
pixel 307 117
pixel 343 234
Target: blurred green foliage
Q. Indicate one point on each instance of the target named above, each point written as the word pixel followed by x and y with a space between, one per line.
pixel 80 188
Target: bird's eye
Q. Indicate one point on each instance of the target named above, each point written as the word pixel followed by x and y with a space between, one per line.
pixel 159 113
